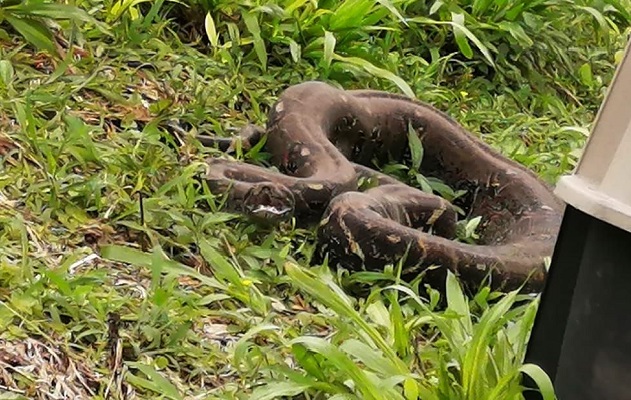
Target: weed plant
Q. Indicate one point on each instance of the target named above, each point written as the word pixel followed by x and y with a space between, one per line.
pixel 122 276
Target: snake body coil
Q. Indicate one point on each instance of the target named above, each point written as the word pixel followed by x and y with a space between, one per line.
pixel 323 139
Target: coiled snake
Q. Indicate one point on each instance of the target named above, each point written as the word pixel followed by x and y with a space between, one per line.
pixel 323 139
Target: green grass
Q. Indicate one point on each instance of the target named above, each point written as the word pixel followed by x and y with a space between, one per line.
pixel 120 273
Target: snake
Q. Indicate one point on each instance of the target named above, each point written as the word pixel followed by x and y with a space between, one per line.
pixel 323 140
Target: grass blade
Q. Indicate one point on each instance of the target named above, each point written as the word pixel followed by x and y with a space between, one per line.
pixel 329 48
pixel 323 293
pixel 34 31
pixel 211 31
pixel 278 390
pixel 252 23
pixel 378 72
pixel 541 379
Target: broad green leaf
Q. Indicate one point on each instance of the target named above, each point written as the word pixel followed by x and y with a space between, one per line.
pixel 416 147
pixel 477 356
pixel 157 382
pixel 308 361
pixel 425 185
pixel 57 11
pixel 459 34
pixel 585 74
pixel 378 313
pixel 136 257
pixel 60 280
pixel 240 348
pixel 456 301
pixel 294 49
pixel 515 11
pixel 392 8
pixel 120 7
pixel 252 23
pixel 441 188
pixel 578 129
pixel 294 6
pixel 542 380
pixel 436 6
pixel 276 390
pixel 620 7
pixel 459 29
pixel 369 356
pixel 329 47
pixel 378 72
pixel 471 226
pixel 336 300
pixel 400 333
pixel 343 363
pixel 6 72
pixel 480 7
pixel 516 31
pixel 35 32
pixel 349 14
pixel 221 267
pixel 211 31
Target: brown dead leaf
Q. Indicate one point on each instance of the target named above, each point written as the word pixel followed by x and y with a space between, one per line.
pixel 6 145
pixel 54 373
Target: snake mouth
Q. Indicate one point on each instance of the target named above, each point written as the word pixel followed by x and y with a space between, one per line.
pixel 262 209
pixel 269 202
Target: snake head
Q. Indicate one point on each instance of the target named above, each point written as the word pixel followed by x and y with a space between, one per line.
pixel 269 202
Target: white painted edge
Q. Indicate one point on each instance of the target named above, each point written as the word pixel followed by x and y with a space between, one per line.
pixel 583 195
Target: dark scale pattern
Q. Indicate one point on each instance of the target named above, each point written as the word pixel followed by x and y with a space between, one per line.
pixel 323 140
